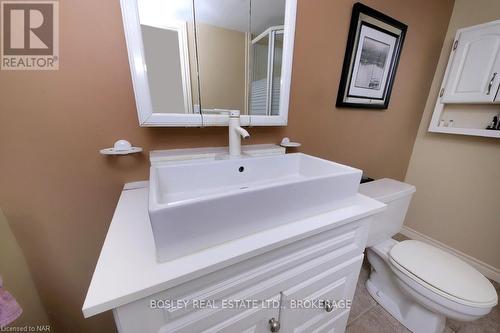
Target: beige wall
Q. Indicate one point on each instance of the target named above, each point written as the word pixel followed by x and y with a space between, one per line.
pixel 457 177
pixel 17 278
pixel 59 194
pixel 379 142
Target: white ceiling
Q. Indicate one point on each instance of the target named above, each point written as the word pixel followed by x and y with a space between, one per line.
pixel 230 14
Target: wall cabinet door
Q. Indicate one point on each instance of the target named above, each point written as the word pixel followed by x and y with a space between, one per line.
pixel 473 74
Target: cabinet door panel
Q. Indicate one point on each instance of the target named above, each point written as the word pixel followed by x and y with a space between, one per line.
pixel 334 284
pixel 229 320
pixel 471 77
pixel 250 321
pixel 336 324
pixel 227 282
pixel 258 278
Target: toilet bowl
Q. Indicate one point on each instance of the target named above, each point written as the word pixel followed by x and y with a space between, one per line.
pixel 417 283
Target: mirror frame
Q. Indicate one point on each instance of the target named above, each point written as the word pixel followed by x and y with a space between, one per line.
pixel 148 118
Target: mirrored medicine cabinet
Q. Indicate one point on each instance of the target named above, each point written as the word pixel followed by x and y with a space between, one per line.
pixel 191 59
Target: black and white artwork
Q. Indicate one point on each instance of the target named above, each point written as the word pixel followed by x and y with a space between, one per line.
pixel 372 63
pixel 372 55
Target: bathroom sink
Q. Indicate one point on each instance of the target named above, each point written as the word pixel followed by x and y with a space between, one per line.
pixel 198 204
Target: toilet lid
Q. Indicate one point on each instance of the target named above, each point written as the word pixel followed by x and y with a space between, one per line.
pixel 446 274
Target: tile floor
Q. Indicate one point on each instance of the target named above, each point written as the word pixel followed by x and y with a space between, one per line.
pixel 367 316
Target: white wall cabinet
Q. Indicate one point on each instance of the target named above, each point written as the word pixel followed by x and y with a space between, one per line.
pixel 474 70
pixel 469 97
pixel 323 267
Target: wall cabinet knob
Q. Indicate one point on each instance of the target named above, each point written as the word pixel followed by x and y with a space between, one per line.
pixel 274 325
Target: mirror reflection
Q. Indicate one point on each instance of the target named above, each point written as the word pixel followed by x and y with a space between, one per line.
pixel 167 29
pixel 267 22
pixel 222 28
pixel 267 51
pixel 213 54
pixel 240 48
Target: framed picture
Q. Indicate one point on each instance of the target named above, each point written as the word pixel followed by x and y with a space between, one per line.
pixel 372 55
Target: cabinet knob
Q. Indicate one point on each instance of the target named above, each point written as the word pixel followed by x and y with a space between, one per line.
pixel 274 325
pixel 328 306
pixel 491 83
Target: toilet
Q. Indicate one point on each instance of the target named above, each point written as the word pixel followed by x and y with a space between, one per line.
pixel 419 284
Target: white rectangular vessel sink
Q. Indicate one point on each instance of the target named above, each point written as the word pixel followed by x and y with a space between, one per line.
pixel 194 205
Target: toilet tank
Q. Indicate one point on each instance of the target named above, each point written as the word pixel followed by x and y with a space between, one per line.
pixel 397 196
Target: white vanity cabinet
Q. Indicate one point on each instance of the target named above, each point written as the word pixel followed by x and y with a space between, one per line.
pixel 274 280
pixel 321 267
pixel 473 73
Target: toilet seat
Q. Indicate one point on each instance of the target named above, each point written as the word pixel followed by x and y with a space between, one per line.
pixel 442 273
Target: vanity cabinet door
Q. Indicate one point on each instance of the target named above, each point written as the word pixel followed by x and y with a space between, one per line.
pixel 249 321
pixel 334 286
pixel 473 74
pixel 325 265
pixel 255 320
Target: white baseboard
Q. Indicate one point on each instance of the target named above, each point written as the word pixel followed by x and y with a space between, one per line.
pixel 489 271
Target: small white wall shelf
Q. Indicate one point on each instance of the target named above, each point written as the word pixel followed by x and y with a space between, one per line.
pixel 469 97
pixel 467 131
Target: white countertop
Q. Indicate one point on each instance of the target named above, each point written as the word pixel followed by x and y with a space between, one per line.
pixel 127 269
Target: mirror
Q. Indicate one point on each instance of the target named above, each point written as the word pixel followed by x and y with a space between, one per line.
pixel 222 28
pixel 267 51
pixel 240 55
pixel 267 28
pixel 168 42
pixel 191 58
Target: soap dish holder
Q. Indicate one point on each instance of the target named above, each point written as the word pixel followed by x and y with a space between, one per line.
pixel 121 147
pixel 289 144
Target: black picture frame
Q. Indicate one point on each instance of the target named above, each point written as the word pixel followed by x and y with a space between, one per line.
pixel 377 21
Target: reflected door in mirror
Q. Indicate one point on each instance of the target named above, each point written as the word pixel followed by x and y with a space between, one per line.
pixel 169 55
pixel 240 51
pixel 267 52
